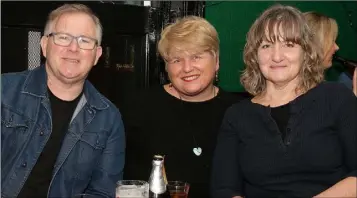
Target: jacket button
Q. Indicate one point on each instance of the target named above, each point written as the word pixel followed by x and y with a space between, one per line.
pixel 288 130
pixel 41 133
pixel 24 164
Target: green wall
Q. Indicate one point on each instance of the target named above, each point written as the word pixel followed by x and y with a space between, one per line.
pixel 233 19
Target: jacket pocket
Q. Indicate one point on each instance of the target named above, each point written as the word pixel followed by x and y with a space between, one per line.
pixel 14 127
pixel 88 151
pixel 12 120
pixel 96 140
pixel 14 132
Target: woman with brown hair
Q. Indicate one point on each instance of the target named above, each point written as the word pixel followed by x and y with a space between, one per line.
pixel 297 136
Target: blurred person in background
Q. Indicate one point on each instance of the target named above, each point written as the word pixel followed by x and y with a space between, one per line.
pixel 326 31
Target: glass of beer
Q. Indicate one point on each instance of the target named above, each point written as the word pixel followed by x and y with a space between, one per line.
pixel 132 188
pixel 178 189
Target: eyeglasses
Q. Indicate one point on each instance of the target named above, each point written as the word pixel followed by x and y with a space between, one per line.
pixel 64 39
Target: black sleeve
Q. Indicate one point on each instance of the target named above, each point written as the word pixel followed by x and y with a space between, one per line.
pixel 226 180
pixel 347 128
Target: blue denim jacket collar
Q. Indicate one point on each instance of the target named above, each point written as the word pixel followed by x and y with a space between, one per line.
pixel 36 85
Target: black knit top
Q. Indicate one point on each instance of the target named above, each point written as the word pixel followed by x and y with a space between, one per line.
pixel 159 123
pixel 320 147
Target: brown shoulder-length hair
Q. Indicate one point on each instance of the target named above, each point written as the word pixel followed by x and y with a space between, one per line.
pixel 295 29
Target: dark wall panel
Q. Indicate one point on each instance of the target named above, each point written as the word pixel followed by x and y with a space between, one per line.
pixel 121 68
pixel 13 46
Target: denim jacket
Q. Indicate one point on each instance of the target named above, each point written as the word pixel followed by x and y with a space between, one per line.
pixel 91 158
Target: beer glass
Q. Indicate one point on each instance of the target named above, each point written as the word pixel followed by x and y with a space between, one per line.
pixel 178 189
pixel 132 188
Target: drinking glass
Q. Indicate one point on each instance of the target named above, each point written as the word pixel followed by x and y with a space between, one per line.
pixel 178 189
pixel 132 188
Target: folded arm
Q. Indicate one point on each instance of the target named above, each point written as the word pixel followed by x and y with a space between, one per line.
pixel 344 188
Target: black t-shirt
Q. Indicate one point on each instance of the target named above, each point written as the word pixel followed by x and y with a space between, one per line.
pixel 159 123
pixel 40 177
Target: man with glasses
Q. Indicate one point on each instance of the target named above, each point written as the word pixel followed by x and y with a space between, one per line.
pixel 59 135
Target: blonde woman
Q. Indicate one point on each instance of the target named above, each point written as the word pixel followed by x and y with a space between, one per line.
pixel 326 31
pixel 180 119
pixel 297 136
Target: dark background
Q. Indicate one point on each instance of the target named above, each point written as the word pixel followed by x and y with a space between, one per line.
pixel 130 60
pixel 130 32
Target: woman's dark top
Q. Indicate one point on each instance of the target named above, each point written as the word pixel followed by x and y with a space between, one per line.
pixel 159 123
pixel 281 115
pixel 319 149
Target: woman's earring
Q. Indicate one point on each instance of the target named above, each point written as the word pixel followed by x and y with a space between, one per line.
pixel 217 77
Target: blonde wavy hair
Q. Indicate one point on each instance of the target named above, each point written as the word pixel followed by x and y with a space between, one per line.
pixel 190 34
pixel 324 28
pixel 296 30
pixel 73 8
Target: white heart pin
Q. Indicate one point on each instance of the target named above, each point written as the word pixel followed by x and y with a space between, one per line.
pixel 197 151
